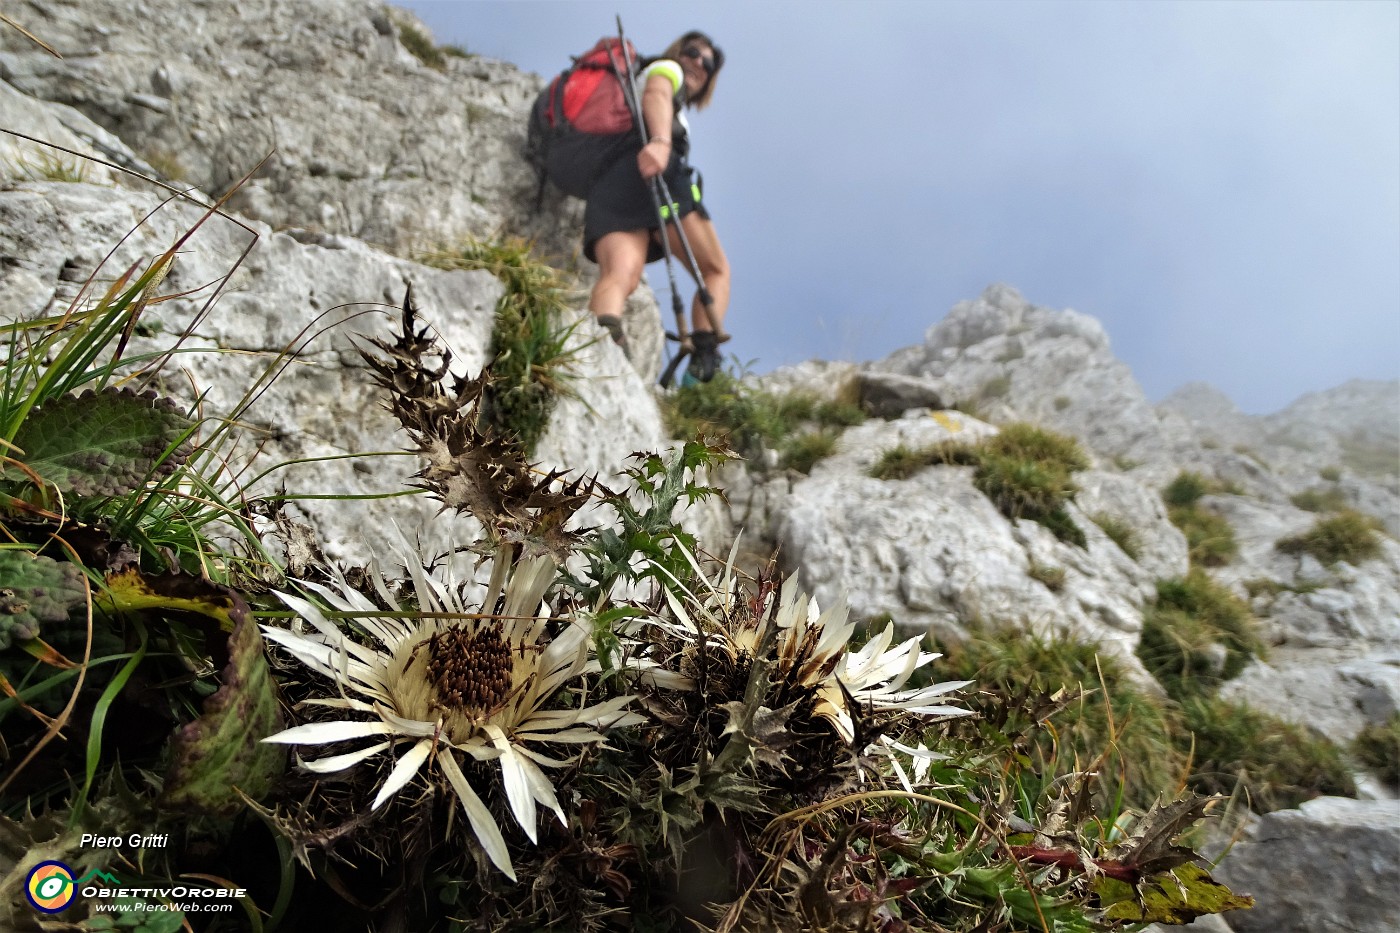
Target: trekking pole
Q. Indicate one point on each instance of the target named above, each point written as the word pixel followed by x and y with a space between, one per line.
pixel 629 93
pixel 662 191
pixel 706 299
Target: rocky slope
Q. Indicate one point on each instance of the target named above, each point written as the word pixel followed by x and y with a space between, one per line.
pixel 392 155
pixel 201 107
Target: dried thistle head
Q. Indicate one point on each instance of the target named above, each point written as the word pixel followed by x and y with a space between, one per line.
pixel 471 466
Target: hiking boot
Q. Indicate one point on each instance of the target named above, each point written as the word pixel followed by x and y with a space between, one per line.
pixel 704 359
pixel 613 323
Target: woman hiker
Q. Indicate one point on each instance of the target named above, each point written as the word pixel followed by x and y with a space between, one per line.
pixel 621 229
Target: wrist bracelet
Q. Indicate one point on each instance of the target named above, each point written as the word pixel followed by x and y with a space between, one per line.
pixel 660 139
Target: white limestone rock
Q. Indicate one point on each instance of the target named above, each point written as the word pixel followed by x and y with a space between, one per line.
pixel 325 301
pixel 934 552
pixel 1010 360
pixel 386 150
pixel 1331 864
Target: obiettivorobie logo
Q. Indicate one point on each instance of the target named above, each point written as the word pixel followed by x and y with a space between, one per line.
pixel 52 886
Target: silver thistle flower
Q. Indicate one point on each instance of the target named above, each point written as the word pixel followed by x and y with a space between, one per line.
pixel 810 648
pixel 444 681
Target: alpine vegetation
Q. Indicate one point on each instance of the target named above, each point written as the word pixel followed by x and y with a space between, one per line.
pixel 463 684
pixel 575 718
pixel 710 749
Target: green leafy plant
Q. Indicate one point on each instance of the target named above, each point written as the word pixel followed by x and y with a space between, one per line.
pixel 37 590
pixel 1347 536
pixel 766 772
pixel 121 514
pixel 763 768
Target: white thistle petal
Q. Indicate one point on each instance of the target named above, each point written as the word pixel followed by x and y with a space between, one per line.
pixel 341 703
pixel 403 772
pixel 483 824
pixel 326 660
pixel 542 759
pixel 541 788
pixel 341 762
pixel 319 733
pixel 408 726
pixel 517 785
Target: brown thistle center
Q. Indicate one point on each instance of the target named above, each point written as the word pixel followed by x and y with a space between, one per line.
pixel 470 669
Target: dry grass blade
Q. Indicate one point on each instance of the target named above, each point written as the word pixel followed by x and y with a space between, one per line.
pixel 29 35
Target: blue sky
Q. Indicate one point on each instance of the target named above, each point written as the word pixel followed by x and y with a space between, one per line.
pixel 1217 182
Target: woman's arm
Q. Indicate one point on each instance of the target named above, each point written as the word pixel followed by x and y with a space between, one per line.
pixel 659 111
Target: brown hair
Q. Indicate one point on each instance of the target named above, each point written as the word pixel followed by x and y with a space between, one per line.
pixel 673 51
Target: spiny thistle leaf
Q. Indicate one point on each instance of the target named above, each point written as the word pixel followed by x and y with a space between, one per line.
pixel 222 752
pixel 101 443
pixel 1176 897
pixel 35 589
pixel 1151 848
pixel 471 467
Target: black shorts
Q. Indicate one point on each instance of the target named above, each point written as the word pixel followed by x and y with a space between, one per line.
pixel 619 200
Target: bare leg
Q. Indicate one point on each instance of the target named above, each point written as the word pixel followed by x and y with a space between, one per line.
pixel 621 257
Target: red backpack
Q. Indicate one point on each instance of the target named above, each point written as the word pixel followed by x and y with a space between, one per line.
pixel 581 118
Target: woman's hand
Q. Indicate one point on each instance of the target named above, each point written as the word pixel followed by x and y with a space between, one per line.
pixel 654 157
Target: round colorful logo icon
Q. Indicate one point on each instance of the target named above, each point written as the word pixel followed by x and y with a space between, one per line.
pixel 50 887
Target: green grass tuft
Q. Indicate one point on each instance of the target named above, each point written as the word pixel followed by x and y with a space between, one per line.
pixel 1186 490
pixel 1210 540
pixel 751 420
pixel 1320 500
pixel 1273 764
pixel 1377 747
pixel 421 46
pixel 1197 636
pixel 1113 727
pixel 1120 533
pixel 1024 469
pixel 47 165
pixel 1052 577
pixel 530 344
pixel 801 452
pixel 1347 536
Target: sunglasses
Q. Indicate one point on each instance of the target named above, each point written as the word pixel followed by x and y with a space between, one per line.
pixel 710 64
